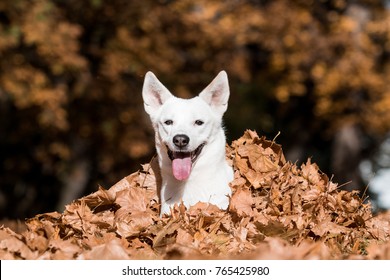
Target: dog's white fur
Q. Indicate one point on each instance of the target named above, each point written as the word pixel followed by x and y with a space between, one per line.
pixel 200 119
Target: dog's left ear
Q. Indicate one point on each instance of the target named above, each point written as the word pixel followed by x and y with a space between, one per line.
pixel 216 94
pixel 154 93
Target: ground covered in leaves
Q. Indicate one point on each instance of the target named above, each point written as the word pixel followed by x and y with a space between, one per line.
pixel 277 211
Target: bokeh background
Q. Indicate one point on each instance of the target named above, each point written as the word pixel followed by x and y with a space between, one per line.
pixel 71 74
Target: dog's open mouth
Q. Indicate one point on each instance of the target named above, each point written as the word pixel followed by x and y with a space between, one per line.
pixel 182 162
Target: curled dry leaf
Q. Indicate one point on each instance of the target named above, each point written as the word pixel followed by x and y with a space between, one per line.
pixel 278 210
pixel 242 202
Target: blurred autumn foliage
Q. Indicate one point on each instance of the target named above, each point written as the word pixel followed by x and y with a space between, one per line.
pixel 71 72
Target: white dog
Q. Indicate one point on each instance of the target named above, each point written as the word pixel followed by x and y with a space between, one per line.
pixel 190 143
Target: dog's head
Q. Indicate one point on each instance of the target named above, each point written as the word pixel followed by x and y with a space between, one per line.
pixel 184 126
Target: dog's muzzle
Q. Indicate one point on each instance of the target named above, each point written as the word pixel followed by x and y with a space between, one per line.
pixel 193 155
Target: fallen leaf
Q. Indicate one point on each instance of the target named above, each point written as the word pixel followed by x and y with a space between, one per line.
pixel 242 202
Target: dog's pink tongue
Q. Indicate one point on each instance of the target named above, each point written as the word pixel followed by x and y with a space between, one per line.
pixel 181 168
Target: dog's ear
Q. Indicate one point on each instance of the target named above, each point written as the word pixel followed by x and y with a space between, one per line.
pixel 216 94
pixel 154 93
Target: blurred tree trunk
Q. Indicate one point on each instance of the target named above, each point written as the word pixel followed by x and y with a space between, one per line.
pixel 76 175
pixel 347 150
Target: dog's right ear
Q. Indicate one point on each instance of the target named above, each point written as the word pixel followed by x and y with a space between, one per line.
pixel 216 94
pixel 154 93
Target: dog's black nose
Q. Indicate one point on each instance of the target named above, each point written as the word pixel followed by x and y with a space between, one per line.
pixel 181 140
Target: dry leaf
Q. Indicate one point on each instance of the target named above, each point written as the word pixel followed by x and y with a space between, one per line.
pixel 242 202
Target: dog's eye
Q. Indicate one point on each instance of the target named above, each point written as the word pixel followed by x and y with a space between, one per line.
pixel 199 122
pixel 168 122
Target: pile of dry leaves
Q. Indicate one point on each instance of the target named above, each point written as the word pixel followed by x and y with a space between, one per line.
pixel 277 211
